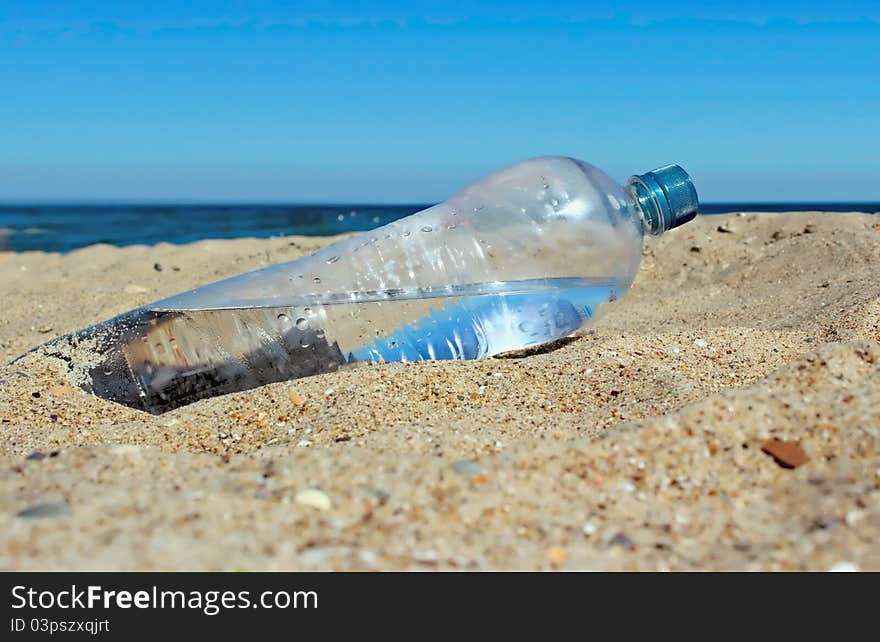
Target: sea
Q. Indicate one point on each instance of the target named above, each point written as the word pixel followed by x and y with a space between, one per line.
pixel 66 227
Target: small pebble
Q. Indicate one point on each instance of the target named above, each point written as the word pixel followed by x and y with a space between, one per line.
pixel 295 398
pixel 466 468
pixel 787 454
pixel 314 498
pixel 428 558
pixel 622 540
pixel 700 343
pixel 556 554
pixel 41 511
pixel 133 288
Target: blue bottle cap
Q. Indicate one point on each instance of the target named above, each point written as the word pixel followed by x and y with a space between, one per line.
pixel 667 196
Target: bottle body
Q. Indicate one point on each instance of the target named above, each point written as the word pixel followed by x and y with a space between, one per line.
pixel 525 256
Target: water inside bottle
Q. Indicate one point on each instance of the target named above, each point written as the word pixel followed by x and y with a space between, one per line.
pixel 172 357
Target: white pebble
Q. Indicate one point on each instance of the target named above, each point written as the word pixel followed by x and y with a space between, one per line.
pixel 700 343
pixel 426 557
pixel 314 498
pixel 843 567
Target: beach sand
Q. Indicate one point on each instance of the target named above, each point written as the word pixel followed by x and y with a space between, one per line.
pixel 635 446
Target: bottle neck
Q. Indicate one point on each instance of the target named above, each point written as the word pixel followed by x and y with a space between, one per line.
pixel 665 198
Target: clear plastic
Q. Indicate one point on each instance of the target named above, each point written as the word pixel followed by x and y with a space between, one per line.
pixel 523 257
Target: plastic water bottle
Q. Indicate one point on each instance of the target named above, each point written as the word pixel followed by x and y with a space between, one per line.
pixel 523 257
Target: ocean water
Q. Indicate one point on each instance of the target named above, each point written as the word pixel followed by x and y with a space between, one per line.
pixel 62 228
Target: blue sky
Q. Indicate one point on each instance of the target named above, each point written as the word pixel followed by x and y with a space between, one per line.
pixel 407 102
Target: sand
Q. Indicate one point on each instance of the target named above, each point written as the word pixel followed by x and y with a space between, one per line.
pixel 635 446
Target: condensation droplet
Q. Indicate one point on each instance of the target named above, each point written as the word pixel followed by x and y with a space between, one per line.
pixel 304 343
pixel 524 327
pixel 317 279
pixel 427 228
pixel 450 227
pixel 308 311
pixel 406 233
pixel 302 324
pixel 554 202
pixel 333 259
pixel 283 318
pixel 319 333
